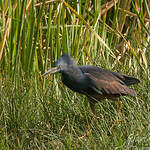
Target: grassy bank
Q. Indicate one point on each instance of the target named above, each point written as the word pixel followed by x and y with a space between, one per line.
pixel 46 119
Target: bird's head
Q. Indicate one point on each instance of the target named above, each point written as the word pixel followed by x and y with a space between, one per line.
pixel 61 65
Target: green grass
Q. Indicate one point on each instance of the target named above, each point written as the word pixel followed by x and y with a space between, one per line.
pixel 41 113
pixel 40 119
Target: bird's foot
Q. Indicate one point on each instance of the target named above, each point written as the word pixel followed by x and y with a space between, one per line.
pixel 117 120
pixel 86 133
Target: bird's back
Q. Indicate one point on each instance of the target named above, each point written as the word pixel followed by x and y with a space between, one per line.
pixel 108 82
pixel 101 73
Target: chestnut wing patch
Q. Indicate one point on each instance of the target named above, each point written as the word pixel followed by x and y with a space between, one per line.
pixel 109 85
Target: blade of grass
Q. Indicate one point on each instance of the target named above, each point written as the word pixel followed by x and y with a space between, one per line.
pixel 87 25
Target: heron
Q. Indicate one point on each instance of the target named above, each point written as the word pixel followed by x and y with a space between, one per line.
pixel 94 82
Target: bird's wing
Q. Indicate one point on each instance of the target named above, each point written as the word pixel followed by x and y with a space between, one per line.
pixel 106 82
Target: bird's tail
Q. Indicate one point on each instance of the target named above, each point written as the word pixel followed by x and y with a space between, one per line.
pixel 131 92
pixel 130 80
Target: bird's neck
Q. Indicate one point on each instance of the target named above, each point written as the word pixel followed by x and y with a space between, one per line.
pixel 74 73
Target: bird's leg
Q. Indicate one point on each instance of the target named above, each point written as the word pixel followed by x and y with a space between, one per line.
pixel 92 105
pixel 119 110
pixel 119 106
pixel 117 118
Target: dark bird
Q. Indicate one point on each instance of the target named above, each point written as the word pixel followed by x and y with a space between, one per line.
pixel 94 82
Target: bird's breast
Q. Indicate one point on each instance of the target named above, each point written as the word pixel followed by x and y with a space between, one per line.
pixel 80 85
pixel 73 83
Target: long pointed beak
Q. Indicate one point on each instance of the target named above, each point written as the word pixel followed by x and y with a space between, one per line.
pixel 52 71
